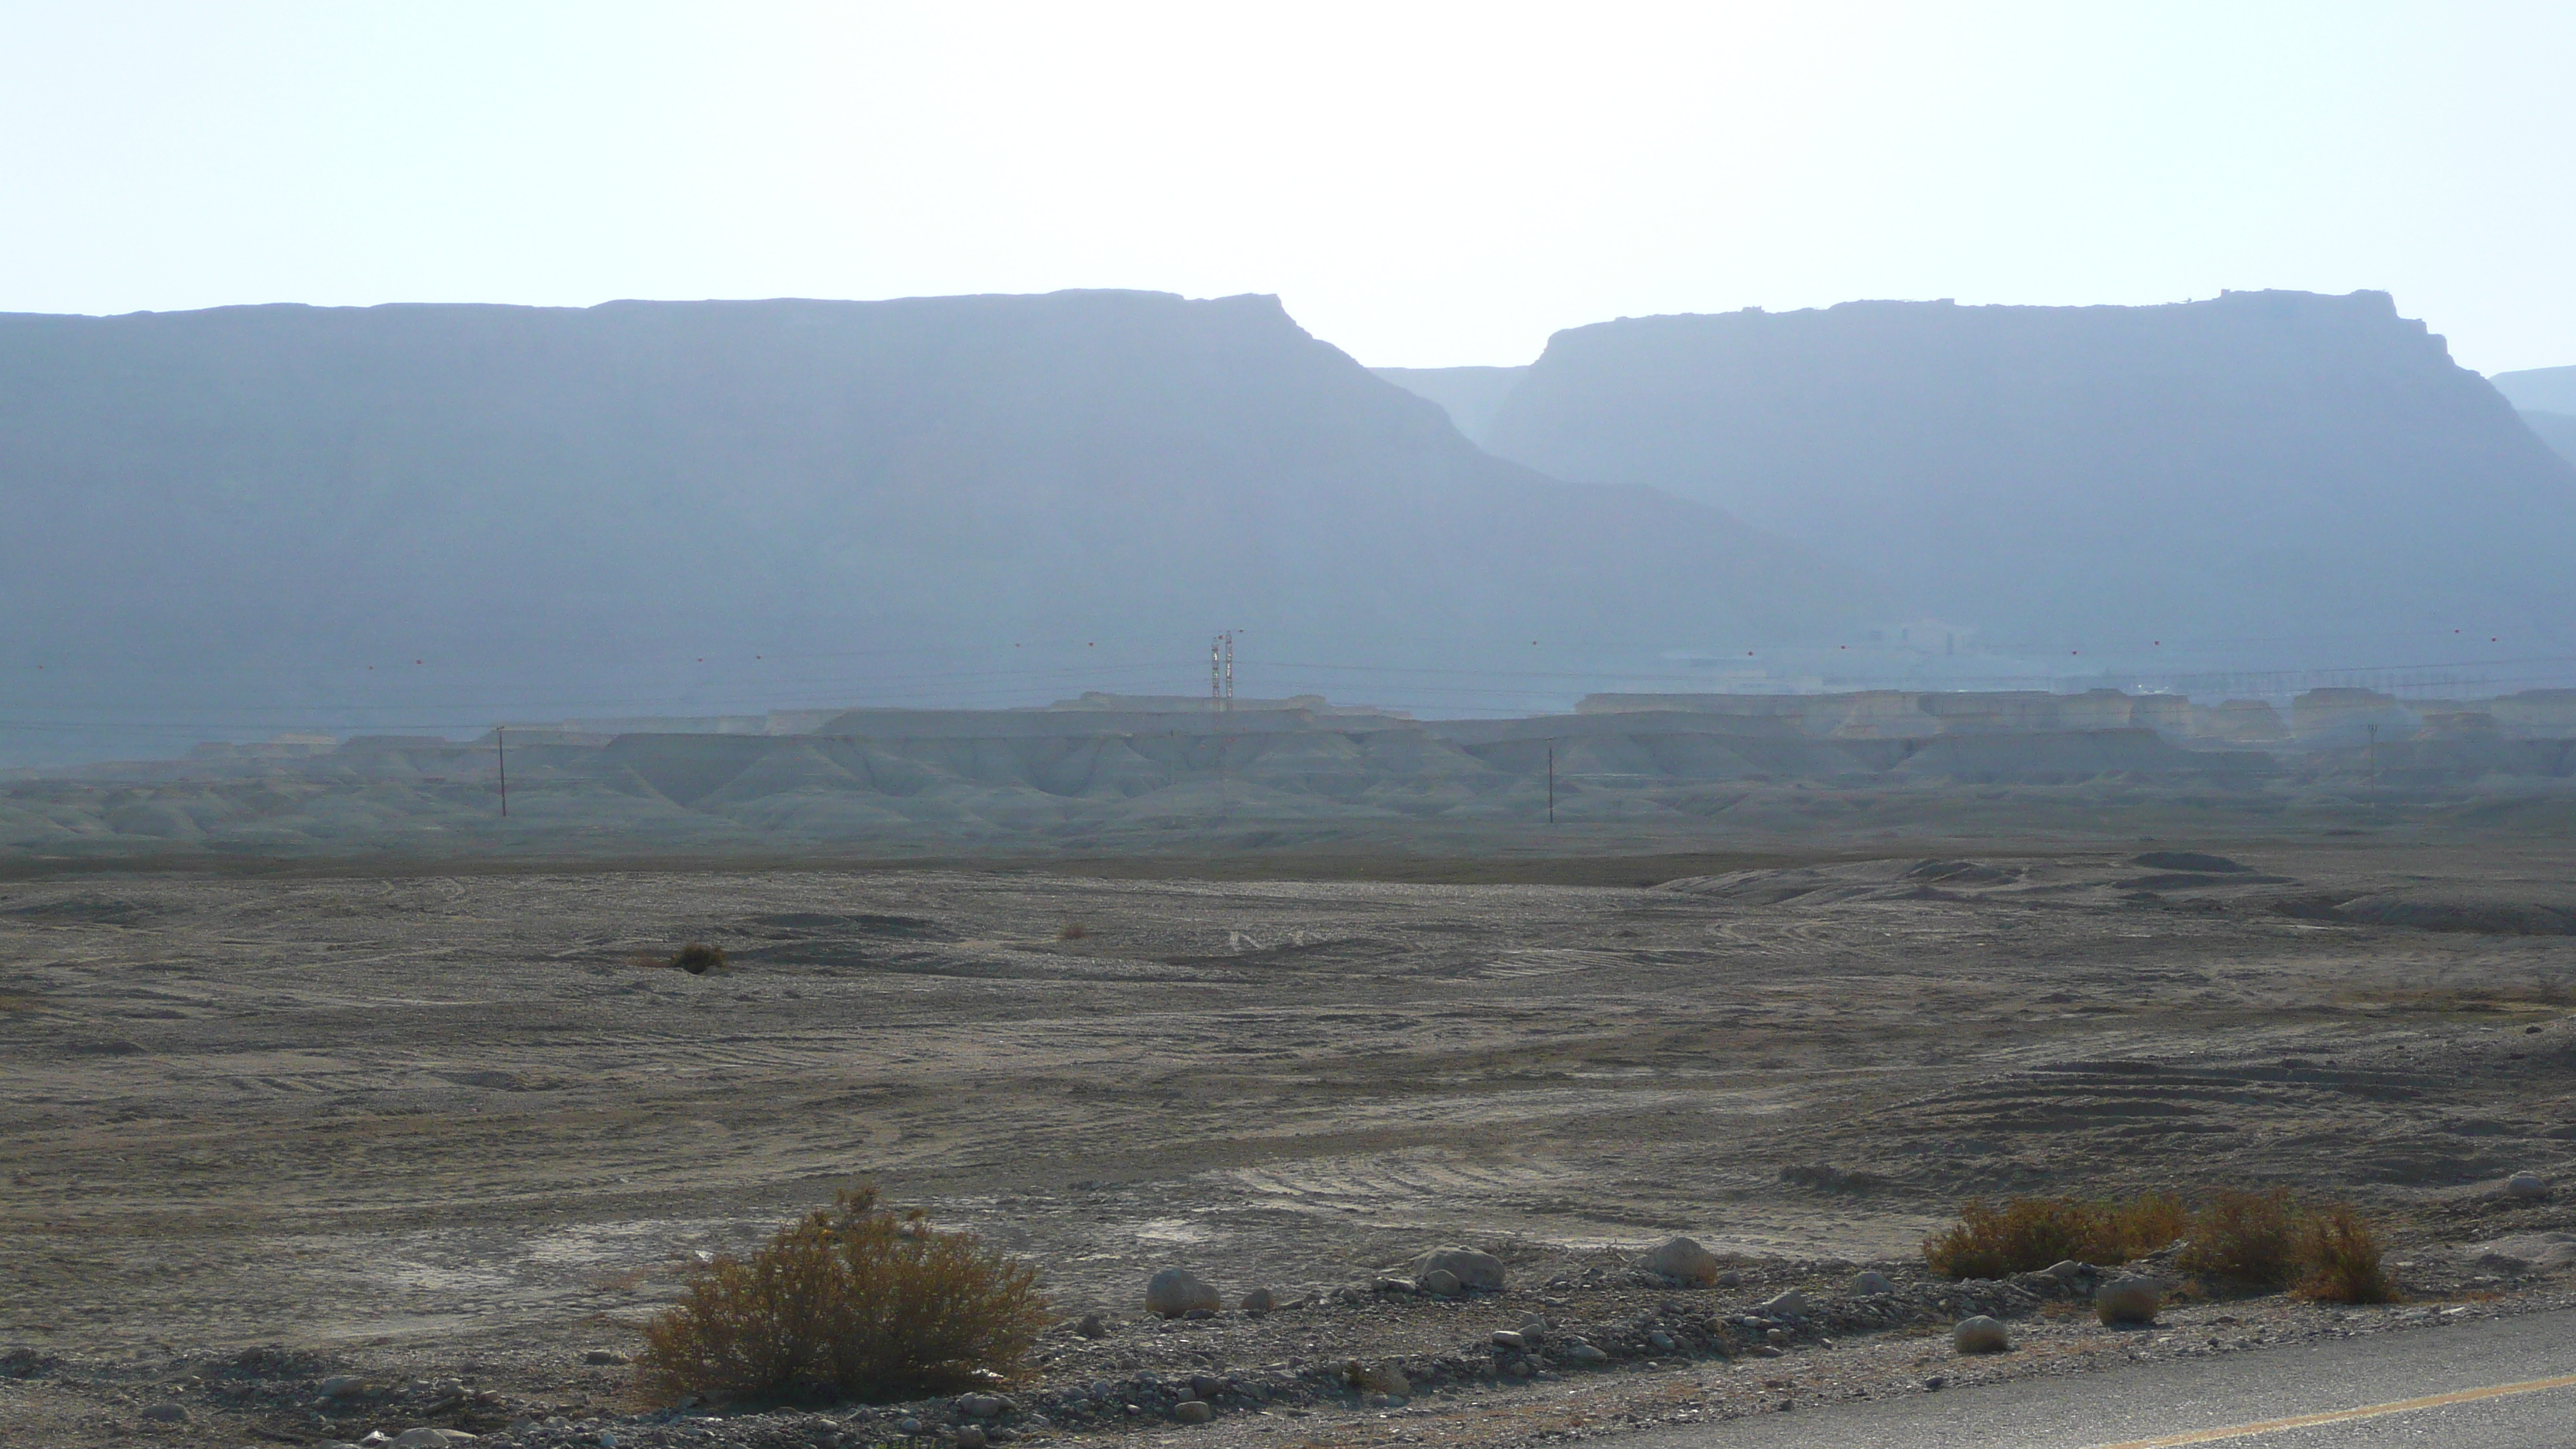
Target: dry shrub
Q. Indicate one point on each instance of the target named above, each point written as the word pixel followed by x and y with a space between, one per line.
pixel 1073 931
pixel 698 958
pixel 847 1303
pixel 2030 1233
pixel 2341 1254
pixel 2249 1237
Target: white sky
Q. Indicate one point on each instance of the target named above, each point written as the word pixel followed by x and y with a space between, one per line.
pixel 1423 185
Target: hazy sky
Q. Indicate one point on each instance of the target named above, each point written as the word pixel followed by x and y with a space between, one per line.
pixel 1423 185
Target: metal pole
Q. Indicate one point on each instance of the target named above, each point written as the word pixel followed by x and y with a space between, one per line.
pixel 502 752
pixel 2374 768
pixel 1551 782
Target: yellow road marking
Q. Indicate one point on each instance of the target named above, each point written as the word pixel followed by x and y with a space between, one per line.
pixel 2342 1416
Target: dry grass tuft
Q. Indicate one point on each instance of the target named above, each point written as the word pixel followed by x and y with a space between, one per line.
pixel 1073 931
pixel 698 958
pixel 2246 1237
pixel 2341 1254
pixel 10 1002
pixel 850 1302
pixel 2026 1234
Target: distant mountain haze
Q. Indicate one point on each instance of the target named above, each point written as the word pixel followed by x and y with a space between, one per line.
pixel 1472 396
pixel 2268 476
pixel 231 514
pixel 2558 430
pixel 2539 389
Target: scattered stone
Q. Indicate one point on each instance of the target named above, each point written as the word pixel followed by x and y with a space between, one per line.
pixel 1092 1326
pixel 605 1357
pixel 1260 1301
pixel 2523 1253
pixel 2528 1186
pixel 1472 1269
pixel 1980 1335
pixel 1505 1338
pixel 1871 1285
pixel 2128 1300
pixel 425 1437
pixel 1660 1341
pixel 907 1426
pixel 1582 1352
pixel 1175 1291
pixel 970 1436
pixel 2067 1270
pixel 1442 1282
pixel 1200 1313
pixel 1792 1304
pixel 1384 1377
pixel 1936 1383
pixel 343 1386
pixel 1396 1285
pixel 1193 1411
pixel 981 1406
pixel 166 1414
pixel 1681 1259
pixel 1728 1279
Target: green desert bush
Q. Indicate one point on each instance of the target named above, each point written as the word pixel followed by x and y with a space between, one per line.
pixel 2026 1234
pixel 850 1302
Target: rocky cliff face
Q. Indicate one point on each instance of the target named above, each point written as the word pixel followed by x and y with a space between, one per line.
pixel 2269 474
pixel 269 514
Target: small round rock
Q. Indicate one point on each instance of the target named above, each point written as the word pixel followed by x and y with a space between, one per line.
pixel 1441 1283
pixel 2128 1300
pixel 1871 1285
pixel 1193 1411
pixel 1980 1334
pixel 2528 1186
pixel 166 1414
pixel 1260 1301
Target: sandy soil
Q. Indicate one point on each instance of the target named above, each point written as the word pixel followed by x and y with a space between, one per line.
pixel 443 1131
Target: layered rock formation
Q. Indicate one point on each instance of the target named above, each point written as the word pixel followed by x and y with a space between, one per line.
pixel 2263 476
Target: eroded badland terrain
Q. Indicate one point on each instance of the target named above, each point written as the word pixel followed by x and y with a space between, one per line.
pixel 311 1154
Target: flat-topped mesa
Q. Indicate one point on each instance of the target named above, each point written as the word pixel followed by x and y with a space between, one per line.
pixel 2262 465
pixel 702 500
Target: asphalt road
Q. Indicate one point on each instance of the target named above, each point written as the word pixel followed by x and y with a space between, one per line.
pixel 2228 1400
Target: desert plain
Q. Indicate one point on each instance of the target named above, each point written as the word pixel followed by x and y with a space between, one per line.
pixel 450 1134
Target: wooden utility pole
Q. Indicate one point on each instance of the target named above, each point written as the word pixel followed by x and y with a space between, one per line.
pixel 501 752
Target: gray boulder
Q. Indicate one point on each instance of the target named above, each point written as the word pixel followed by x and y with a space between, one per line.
pixel 1792 1304
pixel 1176 1291
pixel 1472 1269
pixel 1442 1282
pixel 1871 1285
pixel 2128 1300
pixel 1980 1335
pixel 1260 1301
pixel 1682 1260
pixel 2528 1186
pixel 1193 1411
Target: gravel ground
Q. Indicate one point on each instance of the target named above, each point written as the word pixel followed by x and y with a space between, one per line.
pixel 443 1134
